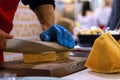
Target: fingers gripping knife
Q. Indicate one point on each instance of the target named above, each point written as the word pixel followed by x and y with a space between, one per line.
pixel 26 46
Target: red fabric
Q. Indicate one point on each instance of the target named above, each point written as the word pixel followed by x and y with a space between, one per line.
pixel 1 56
pixel 7 11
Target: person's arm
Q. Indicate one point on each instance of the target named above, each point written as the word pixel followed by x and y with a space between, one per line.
pixel 44 10
pixel 7 11
pixel 3 37
pixel 45 14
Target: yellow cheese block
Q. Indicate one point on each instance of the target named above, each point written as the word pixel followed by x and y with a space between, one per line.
pixel 105 55
pixel 45 57
pixel 62 55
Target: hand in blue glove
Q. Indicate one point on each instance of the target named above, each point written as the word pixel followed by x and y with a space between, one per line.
pixel 59 34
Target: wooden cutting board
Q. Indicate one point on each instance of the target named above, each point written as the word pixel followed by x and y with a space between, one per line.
pixel 53 69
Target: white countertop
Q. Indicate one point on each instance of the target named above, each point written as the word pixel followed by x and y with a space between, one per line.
pixel 89 75
pixel 81 75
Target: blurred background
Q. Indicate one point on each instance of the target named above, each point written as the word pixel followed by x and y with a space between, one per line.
pixel 83 14
pixel 86 13
pixel 75 15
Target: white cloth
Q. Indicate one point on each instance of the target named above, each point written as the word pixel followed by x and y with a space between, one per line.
pixel 86 21
pixel 102 15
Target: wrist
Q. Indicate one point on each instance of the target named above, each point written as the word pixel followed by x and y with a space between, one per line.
pixel 45 26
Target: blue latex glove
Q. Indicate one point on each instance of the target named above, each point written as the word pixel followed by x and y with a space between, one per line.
pixel 59 34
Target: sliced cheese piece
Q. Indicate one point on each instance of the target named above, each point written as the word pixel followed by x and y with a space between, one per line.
pixel 34 58
pixel 62 55
pixel 105 55
pixel 45 57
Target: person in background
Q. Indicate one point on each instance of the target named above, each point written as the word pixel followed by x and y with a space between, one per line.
pixel 115 15
pixel 86 17
pixel 44 10
pixel 102 14
pixel 86 8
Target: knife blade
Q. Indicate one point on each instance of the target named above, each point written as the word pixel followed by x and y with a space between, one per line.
pixel 28 46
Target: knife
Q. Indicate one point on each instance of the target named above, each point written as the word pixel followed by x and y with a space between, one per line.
pixel 29 46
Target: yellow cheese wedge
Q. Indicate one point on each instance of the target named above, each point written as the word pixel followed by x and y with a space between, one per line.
pixel 105 55
pixel 119 41
pixel 45 57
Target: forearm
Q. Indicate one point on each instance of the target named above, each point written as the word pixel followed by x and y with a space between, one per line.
pixel 45 14
pixel 44 10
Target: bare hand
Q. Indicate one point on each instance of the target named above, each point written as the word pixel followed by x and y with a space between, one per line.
pixel 3 37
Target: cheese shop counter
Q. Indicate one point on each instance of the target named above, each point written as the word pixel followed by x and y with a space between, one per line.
pixel 87 74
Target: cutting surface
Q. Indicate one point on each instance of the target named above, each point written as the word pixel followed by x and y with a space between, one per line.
pixel 53 69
